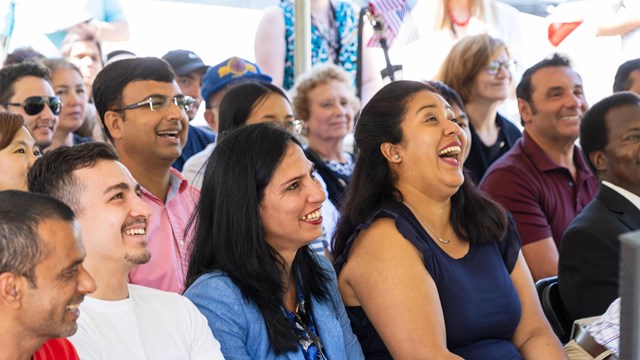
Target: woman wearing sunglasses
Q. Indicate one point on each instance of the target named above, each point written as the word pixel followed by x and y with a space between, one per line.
pixel 480 69
pixel 67 83
pixel 265 294
pixel 18 152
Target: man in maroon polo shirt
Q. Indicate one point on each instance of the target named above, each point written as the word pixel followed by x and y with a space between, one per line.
pixel 544 180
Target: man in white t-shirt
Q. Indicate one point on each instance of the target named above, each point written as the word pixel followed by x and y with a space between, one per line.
pixel 120 320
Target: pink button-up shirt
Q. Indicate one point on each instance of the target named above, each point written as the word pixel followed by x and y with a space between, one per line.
pixel 166 238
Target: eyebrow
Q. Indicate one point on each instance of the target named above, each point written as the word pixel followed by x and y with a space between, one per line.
pixel 119 186
pixel 298 177
pixel 430 106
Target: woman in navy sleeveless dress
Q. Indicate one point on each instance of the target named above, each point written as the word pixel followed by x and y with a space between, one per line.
pixel 428 267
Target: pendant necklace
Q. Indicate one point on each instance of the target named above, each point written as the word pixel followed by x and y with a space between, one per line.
pixel 427 224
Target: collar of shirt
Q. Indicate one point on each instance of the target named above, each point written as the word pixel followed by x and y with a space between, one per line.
pixel 635 199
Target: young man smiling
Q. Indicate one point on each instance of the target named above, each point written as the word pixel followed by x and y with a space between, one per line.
pixel 25 90
pixel 121 320
pixel 144 114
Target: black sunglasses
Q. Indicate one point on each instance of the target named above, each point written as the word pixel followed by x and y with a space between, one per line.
pixel 35 104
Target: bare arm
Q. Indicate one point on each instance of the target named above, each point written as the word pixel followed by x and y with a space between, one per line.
pixel 618 24
pixel 533 337
pixel 106 31
pixel 371 79
pixel 270 44
pixel 542 258
pixel 386 276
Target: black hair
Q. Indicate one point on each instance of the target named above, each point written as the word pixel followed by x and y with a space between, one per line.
pixel 236 105
pixel 594 133
pixel 622 82
pixel 111 81
pixel 11 74
pixel 52 174
pixel 524 90
pixel 450 95
pixel 22 54
pixel 229 235
pixel 20 215
pixel 474 217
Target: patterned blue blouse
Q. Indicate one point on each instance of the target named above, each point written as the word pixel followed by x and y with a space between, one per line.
pixel 347 48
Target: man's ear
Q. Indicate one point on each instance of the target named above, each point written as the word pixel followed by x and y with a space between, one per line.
pixel 598 160
pixel 211 119
pixel 525 110
pixel 11 289
pixel 113 121
pixel 390 152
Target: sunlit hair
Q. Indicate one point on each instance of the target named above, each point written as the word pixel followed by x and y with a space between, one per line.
pixel 10 124
pixel 52 174
pixel 21 213
pixel 466 59
pixel 9 75
pixel 474 217
pixel 240 100
pixel 56 64
pixel 320 74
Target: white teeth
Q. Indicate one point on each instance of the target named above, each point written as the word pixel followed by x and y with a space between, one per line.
pixel 450 151
pixel 72 307
pixel 136 232
pixel 312 216
pixel 169 133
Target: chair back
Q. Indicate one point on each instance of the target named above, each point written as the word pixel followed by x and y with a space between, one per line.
pixel 553 307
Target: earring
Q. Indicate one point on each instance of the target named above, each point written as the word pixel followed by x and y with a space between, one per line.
pixel 396 156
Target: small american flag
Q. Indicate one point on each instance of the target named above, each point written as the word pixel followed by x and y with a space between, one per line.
pixel 391 13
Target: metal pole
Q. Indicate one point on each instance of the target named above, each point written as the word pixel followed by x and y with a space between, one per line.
pixel 302 54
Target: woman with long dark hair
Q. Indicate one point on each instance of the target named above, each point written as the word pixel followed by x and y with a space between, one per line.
pixel 265 294
pixel 429 267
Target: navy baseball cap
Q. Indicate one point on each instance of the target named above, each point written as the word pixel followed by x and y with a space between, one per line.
pixel 184 62
pixel 228 72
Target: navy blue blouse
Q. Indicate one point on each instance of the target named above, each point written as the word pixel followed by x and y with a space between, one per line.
pixel 480 305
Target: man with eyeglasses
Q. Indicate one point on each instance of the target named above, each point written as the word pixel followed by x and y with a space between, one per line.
pixel 543 180
pixel 144 114
pixel 190 69
pixel 25 90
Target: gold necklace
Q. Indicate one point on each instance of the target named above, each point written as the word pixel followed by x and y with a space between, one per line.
pixel 426 223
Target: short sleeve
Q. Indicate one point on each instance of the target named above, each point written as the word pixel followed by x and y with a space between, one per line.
pixel 510 245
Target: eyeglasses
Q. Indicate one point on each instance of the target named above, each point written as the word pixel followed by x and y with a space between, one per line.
pixel 35 104
pixel 293 126
pixel 494 67
pixel 158 102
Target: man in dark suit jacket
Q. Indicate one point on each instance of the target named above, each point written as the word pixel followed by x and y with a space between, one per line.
pixel 589 251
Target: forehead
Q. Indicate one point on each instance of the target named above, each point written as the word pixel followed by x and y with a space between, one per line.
pixel 292 163
pixel 332 85
pixel 61 239
pixel 83 47
pixel 425 98
pixel 23 135
pixel 140 89
pixel 623 118
pixel 31 86
pixel 554 77
pixel 102 175
pixel 64 74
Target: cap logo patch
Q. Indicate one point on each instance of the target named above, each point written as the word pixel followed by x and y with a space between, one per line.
pixel 236 67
